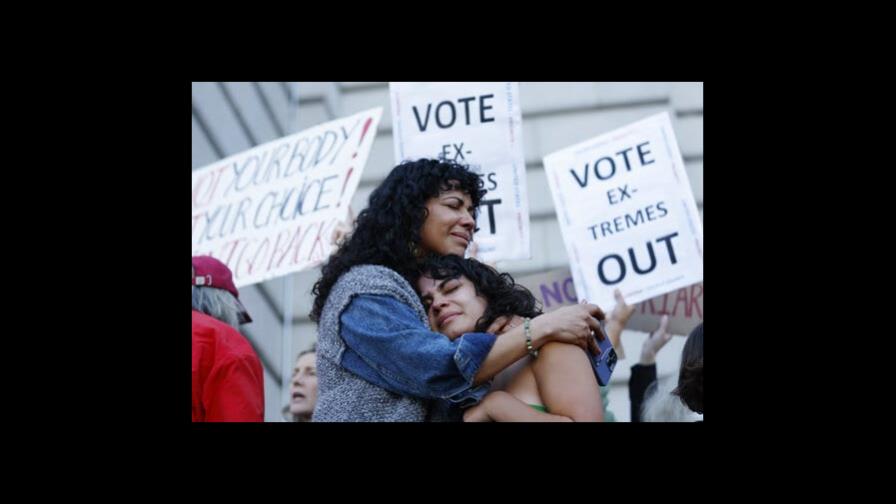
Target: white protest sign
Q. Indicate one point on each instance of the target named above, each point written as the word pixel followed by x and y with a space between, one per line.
pixel 272 209
pixel 627 213
pixel 478 124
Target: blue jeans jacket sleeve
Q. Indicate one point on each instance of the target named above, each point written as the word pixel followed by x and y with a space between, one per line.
pixel 389 347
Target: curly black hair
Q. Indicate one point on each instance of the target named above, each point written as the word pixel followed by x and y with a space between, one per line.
pixel 690 377
pixel 503 295
pixel 387 232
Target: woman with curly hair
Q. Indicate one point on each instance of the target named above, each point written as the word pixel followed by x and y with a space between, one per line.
pixel 377 358
pixel 560 385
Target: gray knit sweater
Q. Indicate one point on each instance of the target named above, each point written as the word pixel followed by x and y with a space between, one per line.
pixel 342 395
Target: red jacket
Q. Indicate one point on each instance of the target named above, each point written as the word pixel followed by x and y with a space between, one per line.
pixel 228 382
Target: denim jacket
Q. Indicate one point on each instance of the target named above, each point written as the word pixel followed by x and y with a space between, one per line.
pixel 388 346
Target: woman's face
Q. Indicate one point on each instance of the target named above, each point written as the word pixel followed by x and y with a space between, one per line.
pixel 449 225
pixel 303 388
pixel 452 304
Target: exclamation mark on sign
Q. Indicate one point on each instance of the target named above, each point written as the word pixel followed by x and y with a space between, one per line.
pixel 363 132
pixel 352 168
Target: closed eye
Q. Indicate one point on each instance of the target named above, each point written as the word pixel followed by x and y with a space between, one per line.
pixel 450 286
pixel 454 203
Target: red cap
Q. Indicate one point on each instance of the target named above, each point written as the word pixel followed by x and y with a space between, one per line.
pixel 210 272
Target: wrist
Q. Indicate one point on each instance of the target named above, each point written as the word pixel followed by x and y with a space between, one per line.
pixel 539 334
pixel 648 358
pixel 527 323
